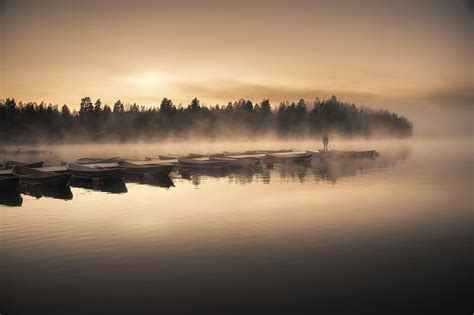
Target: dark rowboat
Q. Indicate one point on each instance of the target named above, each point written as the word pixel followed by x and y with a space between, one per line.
pixel 236 162
pixel 152 169
pixel 168 157
pixel 8 183
pixel 273 151
pixel 92 160
pixel 253 152
pixel 201 163
pixel 289 155
pixel 11 164
pixel 369 153
pixel 174 156
pixel 26 152
pixel 81 171
pixel 33 176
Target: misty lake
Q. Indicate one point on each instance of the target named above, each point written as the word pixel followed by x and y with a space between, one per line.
pixel 388 235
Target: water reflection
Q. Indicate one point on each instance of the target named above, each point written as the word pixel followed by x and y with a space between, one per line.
pixel 11 198
pixel 159 181
pixel 63 193
pixel 300 171
pixel 383 234
pixel 330 170
pixel 109 186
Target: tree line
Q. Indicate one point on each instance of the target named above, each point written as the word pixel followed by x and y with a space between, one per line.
pixel 29 122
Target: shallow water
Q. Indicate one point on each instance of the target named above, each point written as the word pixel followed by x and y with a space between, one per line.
pixel 388 235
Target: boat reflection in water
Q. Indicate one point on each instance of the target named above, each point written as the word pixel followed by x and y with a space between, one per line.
pixel 196 174
pixel 315 169
pixel 114 186
pixel 157 180
pixel 334 169
pixel 324 169
pixel 11 198
pixel 38 191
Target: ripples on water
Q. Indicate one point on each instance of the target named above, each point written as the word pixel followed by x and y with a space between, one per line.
pixel 391 235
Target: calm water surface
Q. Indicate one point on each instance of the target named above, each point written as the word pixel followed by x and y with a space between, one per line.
pixel 391 235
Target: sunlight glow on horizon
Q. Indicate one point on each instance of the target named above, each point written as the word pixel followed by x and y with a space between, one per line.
pixel 382 54
pixel 146 79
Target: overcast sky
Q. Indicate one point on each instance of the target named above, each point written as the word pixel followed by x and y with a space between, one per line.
pixel 385 53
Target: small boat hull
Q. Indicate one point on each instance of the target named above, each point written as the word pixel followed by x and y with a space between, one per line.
pixel 10 164
pixel 29 176
pixel 81 171
pixel 236 162
pixel 289 156
pixel 369 153
pixel 175 157
pixel 88 160
pixel 151 169
pixel 201 163
pixel 168 157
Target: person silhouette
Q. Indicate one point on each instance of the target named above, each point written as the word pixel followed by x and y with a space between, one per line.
pixel 325 142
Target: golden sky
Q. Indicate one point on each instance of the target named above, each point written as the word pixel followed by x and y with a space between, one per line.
pixel 371 52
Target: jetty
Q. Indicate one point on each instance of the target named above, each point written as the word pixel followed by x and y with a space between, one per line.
pixel 223 159
pixel 109 174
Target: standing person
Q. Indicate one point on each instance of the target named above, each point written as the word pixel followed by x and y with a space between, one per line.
pixel 325 142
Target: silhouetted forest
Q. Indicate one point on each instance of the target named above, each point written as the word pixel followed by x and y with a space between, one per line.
pixel 30 122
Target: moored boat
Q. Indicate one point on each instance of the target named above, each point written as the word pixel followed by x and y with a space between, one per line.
pixel 179 156
pixel 254 152
pixel 201 163
pixel 289 155
pixel 36 177
pixel 11 164
pixel 151 169
pixel 369 153
pixel 236 162
pixel 94 160
pixel 273 151
pixel 168 157
pixel 81 171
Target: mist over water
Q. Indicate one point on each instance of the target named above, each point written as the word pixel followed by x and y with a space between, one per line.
pixel 391 234
pixel 142 149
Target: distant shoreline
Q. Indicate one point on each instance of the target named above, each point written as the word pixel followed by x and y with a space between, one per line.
pixel 33 122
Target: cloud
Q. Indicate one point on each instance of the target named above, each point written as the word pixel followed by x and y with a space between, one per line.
pixel 226 90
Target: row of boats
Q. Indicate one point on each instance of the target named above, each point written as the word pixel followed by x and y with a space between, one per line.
pixel 114 168
pixel 54 177
pixel 250 158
